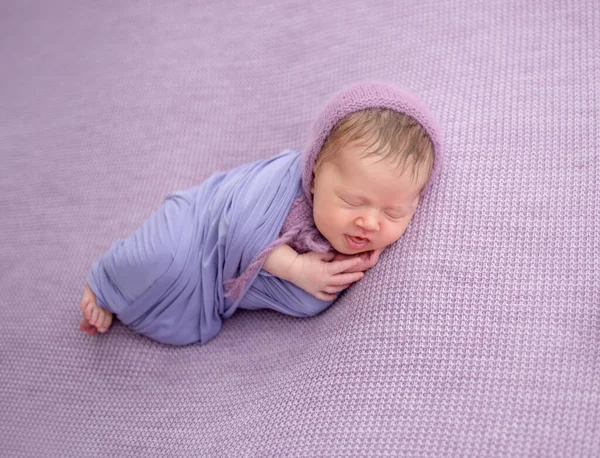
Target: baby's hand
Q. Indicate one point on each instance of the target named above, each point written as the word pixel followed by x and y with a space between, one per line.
pixel 322 276
pixel 368 260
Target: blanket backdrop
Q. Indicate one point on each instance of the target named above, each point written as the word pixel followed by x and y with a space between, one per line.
pixel 477 334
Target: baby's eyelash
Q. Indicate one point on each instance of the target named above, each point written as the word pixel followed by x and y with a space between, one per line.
pixel 352 204
pixel 394 216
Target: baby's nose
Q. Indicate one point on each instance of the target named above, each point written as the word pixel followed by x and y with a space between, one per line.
pixel 368 222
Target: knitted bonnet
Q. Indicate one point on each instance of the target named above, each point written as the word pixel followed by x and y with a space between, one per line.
pixel 299 229
pixel 373 94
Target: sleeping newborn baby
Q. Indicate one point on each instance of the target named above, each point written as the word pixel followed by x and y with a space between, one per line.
pixel 289 233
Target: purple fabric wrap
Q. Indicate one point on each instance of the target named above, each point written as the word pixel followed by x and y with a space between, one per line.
pixel 299 232
pixel 166 280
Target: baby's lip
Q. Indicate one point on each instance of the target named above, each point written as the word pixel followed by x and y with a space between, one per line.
pixel 362 237
pixel 355 243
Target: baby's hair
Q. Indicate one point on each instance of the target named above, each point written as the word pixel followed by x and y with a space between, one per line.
pixel 393 136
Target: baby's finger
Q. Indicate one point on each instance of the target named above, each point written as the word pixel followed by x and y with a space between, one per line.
pixel 335 289
pixel 94 320
pixel 341 256
pixel 322 296
pixel 105 323
pixel 327 256
pixel 100 319
pixel 345 278
pixel 336 267
pixel 84 325
pixel 374 257
pixel 359 267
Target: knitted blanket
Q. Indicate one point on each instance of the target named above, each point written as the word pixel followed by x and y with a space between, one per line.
pixel 476 334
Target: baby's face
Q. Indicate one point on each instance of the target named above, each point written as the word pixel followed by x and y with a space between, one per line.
pixel 363 204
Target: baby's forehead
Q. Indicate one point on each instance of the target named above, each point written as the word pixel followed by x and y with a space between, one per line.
pixel 387 181
pixel 358 156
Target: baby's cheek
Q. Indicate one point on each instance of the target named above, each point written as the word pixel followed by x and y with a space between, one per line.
pixel 323 217
pixel 317 216
pixel 400 228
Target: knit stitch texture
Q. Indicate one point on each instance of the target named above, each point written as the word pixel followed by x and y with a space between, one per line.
pixel 476 334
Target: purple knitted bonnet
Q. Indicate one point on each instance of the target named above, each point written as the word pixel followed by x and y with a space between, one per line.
pixel 369 94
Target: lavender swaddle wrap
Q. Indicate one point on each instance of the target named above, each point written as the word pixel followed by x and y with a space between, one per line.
pixel 166 280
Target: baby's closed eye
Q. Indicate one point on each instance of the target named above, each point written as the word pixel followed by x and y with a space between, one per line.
pixel 394 214
pixel 352 203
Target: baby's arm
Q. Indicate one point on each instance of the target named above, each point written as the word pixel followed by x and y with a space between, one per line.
pixel 280 262
pixel 317 274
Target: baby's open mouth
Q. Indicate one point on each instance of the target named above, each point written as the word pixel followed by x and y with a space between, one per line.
pixel 355 243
